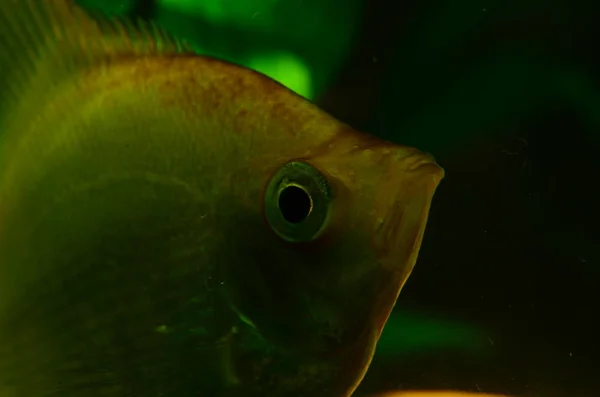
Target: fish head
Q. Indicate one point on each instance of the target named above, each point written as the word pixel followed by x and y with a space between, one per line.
pixel 327 231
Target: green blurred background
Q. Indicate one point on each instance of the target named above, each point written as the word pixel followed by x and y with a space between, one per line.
pixel 506 95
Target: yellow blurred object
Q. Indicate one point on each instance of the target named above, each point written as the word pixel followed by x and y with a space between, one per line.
pixel 432 393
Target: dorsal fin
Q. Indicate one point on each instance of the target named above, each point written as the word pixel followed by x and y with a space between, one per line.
pixel 56 37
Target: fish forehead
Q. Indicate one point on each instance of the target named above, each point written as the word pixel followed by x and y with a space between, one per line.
pixel 240 103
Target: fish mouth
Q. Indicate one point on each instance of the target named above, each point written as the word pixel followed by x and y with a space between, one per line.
pixel 405 199
pixel 420 162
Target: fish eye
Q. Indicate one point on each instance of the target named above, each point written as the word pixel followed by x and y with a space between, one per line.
pixel 297 202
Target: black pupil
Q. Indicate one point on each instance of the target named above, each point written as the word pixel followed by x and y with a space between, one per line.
pixel 294 204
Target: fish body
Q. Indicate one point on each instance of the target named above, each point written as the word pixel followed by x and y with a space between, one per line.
pixel 176 225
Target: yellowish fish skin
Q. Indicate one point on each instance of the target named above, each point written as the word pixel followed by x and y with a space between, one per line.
pixel 135 255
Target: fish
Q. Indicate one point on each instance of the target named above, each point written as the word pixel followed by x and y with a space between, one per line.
pixel 172 224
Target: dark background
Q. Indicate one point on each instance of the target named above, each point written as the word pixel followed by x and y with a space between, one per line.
pixel 506 95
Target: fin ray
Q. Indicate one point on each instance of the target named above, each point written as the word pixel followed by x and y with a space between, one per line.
pixel 58 37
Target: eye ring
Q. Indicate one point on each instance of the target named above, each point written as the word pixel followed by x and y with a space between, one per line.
pixel 297 202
